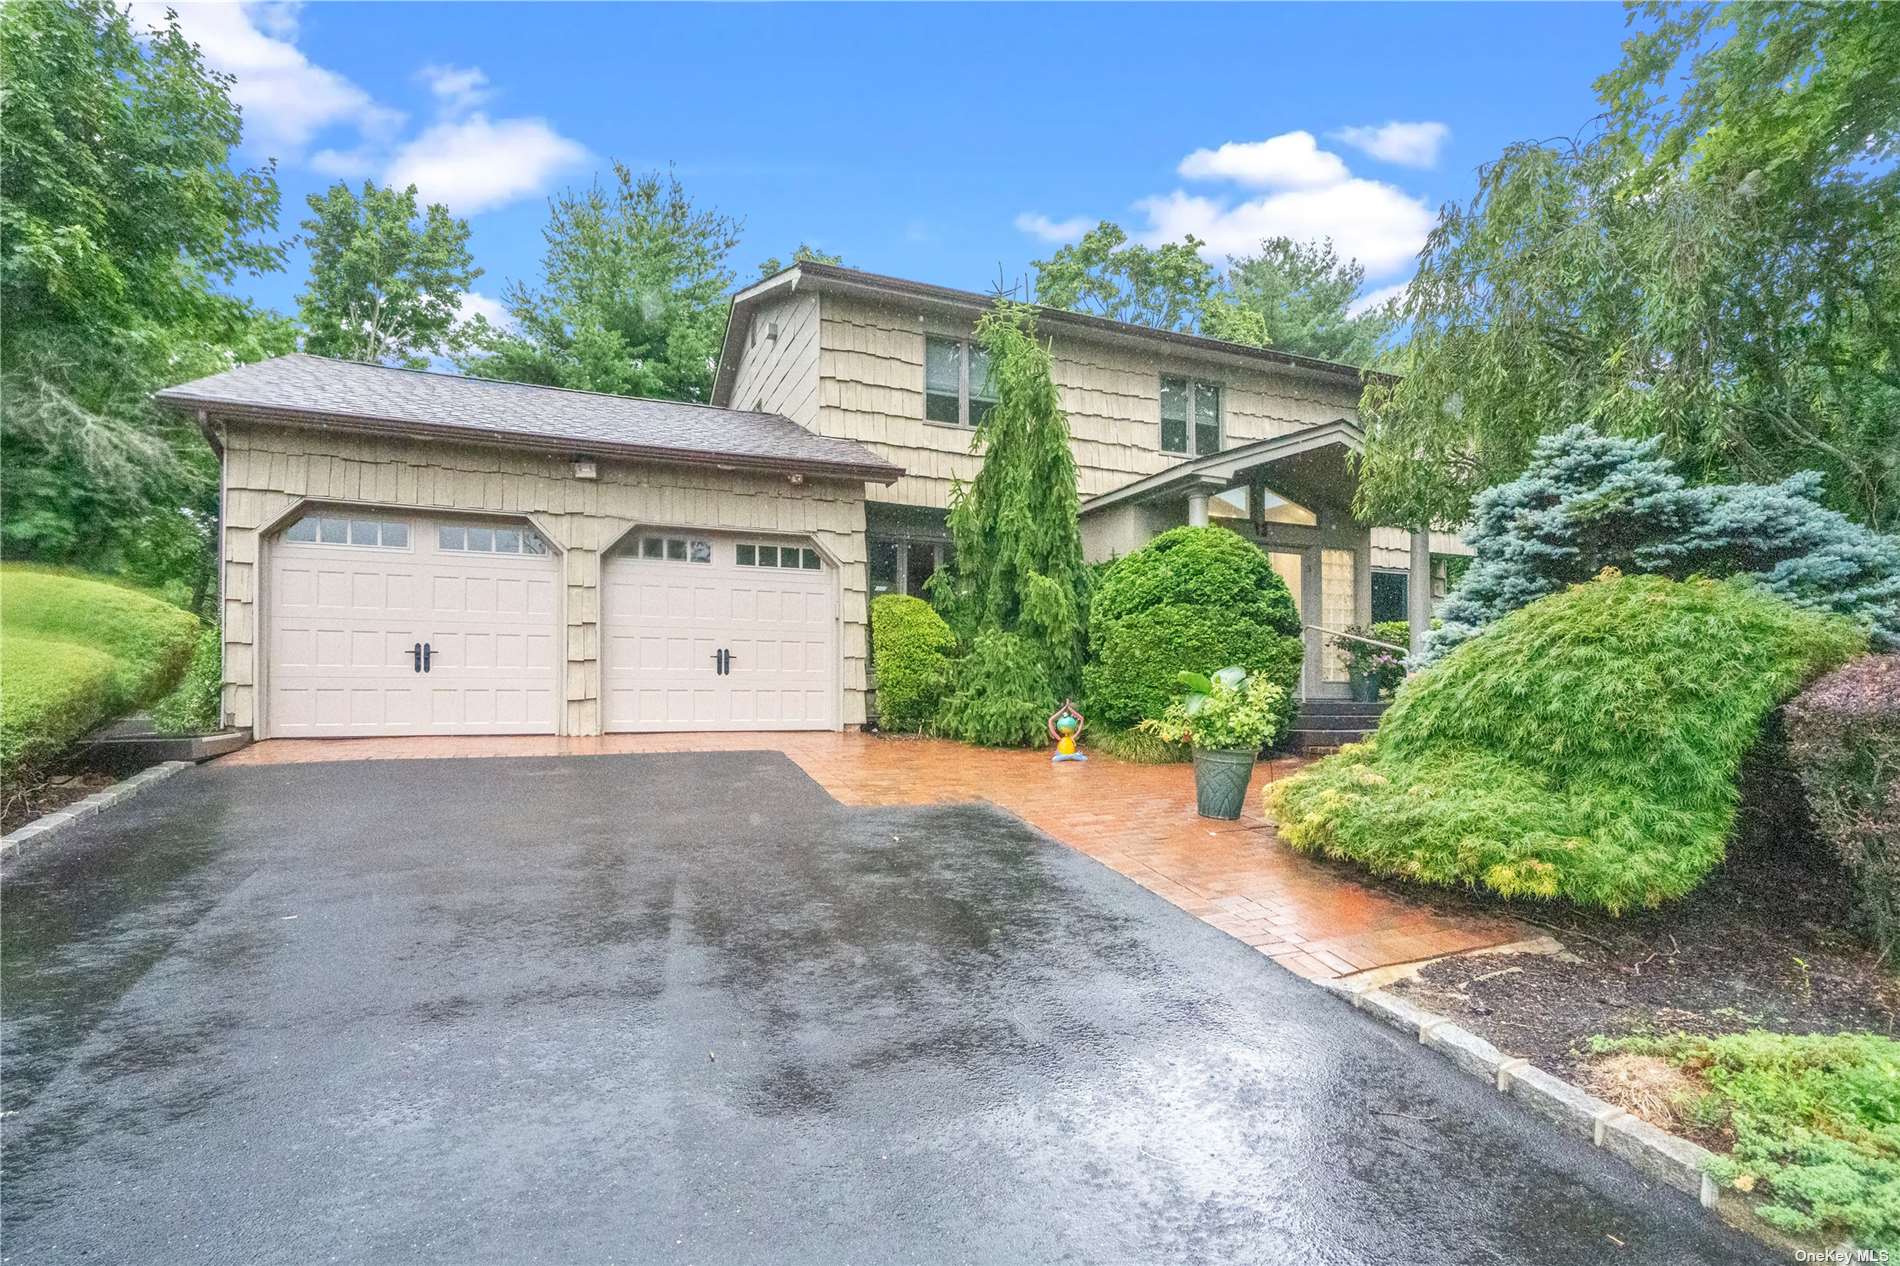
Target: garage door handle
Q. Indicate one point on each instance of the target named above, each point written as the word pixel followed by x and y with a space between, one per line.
pixel 425 657
pixel 722 662
pixel 418 654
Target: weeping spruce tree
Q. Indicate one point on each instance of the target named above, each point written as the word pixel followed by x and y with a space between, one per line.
pixel 1017 593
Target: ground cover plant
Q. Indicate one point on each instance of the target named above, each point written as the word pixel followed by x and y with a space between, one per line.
pixel 75 652
pixel 1191 597
pixel 1585 748
pixel 1810 1124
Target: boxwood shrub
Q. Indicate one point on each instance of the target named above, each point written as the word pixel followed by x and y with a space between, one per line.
pixel 910 650
pixel 1585 747
pixel 1189 598
pixel 1843 741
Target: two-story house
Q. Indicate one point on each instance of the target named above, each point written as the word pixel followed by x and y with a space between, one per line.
pixel 416 553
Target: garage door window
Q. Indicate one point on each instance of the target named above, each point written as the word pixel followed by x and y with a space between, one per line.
pixel 676 549
pixel 751 555
pixel 490 540
pixel 335 529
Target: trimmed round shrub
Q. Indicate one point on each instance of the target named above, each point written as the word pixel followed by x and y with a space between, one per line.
pixel 1000 694
pixel 910 650
pixel 1193 599
pixel 1584 747
pixel 51 693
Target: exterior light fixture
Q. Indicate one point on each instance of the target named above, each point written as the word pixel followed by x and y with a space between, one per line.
pixel 584 468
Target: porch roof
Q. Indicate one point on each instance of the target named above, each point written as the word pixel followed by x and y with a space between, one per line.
pixel 1310 466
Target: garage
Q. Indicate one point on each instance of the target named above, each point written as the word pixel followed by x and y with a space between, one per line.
pixel 389 624
pixel 704 631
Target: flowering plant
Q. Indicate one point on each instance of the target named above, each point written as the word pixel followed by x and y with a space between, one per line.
pixel 1227 711
pixel 1382 664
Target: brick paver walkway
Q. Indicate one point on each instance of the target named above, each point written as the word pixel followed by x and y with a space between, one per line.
pixel 1136 819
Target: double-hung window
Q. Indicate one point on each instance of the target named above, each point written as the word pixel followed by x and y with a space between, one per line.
pixel 1190 415
pixel 957 387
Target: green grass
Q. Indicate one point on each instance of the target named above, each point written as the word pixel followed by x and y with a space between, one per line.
pixel 75 652
pixel 1815 1119
pixel 1583 748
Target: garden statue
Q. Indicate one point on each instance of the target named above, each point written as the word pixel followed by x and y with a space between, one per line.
pixel 1065 726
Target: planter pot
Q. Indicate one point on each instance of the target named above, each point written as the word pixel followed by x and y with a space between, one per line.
pixel 1220 782
pixel 1364 686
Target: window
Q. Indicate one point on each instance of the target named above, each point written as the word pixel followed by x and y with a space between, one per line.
pixel 900 565
pixel 750 555
pixel 957 386
pixel 462 538
pixel 676 549
pixel 1190 410
pixel 328 529
pixel 1388 595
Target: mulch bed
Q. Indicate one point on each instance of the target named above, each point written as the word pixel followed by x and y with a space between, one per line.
pixel 1762 945
pixel 24 804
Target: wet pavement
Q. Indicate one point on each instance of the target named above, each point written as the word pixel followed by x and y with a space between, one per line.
pixel 687 1008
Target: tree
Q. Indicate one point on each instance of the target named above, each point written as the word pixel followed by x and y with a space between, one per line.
pixel 1018 567
pixel 1303 293
pixel 633 299
pixel 1165 287
pixel 122 217
pixel 384 287
pixel 1720 269
pixel 803 255
pixel 1588 502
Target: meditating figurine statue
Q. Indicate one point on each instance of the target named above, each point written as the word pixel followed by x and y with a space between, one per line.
pixel 1065 727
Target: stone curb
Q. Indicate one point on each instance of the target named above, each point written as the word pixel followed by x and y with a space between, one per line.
pixel 1655 1153
pixel 47 825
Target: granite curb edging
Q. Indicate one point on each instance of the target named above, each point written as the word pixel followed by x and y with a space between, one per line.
pixel 1655 1153
pixel 47 825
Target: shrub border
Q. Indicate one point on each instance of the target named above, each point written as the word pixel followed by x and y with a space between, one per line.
pixel 1657 1154
pixel 49 824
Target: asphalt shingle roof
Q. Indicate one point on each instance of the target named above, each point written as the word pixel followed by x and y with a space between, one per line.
pixel 316 388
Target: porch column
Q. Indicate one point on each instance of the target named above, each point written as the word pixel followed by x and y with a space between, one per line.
pixel 1197 509
pixel 1418 590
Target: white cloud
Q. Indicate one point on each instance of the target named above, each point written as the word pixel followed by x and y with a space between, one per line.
pixel 285 97
pixel 1292 160
pixel 459 89
pixel 472 305
pixel 1039 225
pixel 1407 144
pixel 476 163
pixel 1380 225
pixel 1373 298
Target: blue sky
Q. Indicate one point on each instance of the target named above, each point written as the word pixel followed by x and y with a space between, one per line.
pixel 950 144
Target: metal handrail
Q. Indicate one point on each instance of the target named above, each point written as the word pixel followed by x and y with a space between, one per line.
pixel 1354 637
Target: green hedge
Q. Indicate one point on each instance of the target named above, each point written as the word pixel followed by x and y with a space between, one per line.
pixel 76 652
pixel 1190 599
pixel 1584 747
pixel 195 704
pixel 910 650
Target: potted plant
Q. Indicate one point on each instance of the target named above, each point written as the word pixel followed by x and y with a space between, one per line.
pixel 1227 717
pixel 1371 670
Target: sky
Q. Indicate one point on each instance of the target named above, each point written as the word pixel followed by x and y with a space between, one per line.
pixel 942 143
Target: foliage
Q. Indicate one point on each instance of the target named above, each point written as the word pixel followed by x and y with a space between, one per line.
pixel 1136 745
pixel 1816 1123
pixel 1587 502
pixel 1585 749
pixel 910 649
pixel 802 255
pixel 633 300
pixel 75 652
pixel 1382 665
pixel 1304 294
pixel 122 217
pixel 1190 597
pixel 1229 711
pixel 384 288
pixel 195 705
pixel 1166 287
pixel 1000 693
pixel 1843 740
pixel 1018 565
pixel 1720 268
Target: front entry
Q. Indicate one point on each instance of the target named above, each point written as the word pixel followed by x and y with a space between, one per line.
pixel 713 632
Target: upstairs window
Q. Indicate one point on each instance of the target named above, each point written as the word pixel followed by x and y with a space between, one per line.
pixel 957 386
pixel 1190 413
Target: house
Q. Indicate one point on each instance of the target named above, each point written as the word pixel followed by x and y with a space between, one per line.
pixel 404 552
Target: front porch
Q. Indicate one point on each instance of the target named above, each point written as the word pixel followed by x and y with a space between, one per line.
pixel 1292 496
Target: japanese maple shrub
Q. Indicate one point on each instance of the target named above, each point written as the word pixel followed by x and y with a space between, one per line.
pixel 1584 749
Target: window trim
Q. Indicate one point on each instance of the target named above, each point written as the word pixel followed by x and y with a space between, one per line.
pixel 965 348
pixel 1193 386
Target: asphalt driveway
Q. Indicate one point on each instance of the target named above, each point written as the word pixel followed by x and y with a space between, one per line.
pixel 686 1008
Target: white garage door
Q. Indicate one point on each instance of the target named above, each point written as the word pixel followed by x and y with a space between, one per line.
pixel 706 632
pixel 353 596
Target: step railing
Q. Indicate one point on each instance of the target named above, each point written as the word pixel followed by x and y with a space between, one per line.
pixel 1354 637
